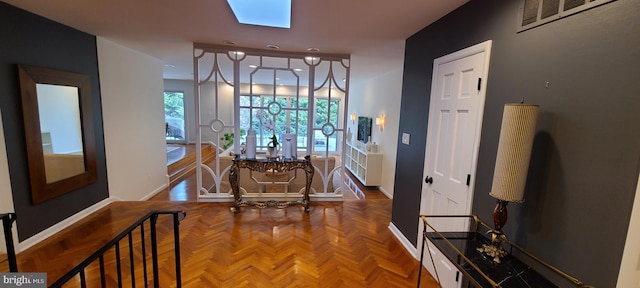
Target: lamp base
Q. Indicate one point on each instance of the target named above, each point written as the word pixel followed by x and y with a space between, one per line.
pixel 500 215
pixel 494 250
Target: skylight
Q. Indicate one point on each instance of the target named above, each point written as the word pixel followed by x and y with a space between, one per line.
pixel 270 13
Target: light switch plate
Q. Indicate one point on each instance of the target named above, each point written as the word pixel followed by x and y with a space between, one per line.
pixel 405 138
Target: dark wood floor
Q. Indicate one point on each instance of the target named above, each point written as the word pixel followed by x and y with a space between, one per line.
pixel 336 244
pixel 176 152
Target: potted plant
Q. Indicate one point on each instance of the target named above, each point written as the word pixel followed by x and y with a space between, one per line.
pixel 272 146
pixel 228 138
pixel 269 125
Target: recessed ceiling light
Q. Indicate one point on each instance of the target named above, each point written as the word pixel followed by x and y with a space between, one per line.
pixel 297 69
pixel 273 46
pixel 229 42
pixel 313 49
pixel 253 66
pixel 169 65
pixel 263 13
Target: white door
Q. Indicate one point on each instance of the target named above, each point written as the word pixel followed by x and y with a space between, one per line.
pixel 453 138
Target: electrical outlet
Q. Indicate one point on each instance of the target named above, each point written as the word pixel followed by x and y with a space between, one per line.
pixel 405 138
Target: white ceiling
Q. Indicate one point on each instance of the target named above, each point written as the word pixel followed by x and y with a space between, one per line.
pixel 372 30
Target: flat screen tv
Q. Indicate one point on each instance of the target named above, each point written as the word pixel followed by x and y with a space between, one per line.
pixel 364 128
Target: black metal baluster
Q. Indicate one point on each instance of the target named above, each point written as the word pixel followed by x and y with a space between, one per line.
pixel 131 262
pixel 7 222
pixel 103 282
pixel 144 255
pixel 154 251
pixel 176 240
pixel 83 280
pixel 118 268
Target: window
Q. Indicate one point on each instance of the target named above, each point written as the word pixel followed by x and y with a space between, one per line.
pixel 289 114
pixel 326 113
pixel 174 116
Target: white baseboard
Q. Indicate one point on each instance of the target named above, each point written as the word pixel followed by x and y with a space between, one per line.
pixel 157 190
pixel 389 195
pixel 404 241
pixel 274 196
pixel 328 197
pixel 44 234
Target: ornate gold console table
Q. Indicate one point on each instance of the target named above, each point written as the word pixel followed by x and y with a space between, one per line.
pixel 264 165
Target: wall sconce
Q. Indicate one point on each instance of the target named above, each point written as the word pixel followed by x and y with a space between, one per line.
pixel 380 122
pixel 353 117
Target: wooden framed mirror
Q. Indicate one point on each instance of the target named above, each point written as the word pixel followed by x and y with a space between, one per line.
pixel 60 137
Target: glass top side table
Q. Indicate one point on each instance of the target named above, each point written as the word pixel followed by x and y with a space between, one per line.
pixel 480 270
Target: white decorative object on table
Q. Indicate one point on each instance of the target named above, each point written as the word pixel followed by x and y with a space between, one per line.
pixel 251 144
pixel 287 152
pixel 273 152
pixel 294 144
pixel 374 148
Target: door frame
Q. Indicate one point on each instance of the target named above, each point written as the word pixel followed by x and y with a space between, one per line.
pixel 460 54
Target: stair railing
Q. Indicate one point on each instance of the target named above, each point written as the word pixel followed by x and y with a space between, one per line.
pixel 7 223
pixel 99 255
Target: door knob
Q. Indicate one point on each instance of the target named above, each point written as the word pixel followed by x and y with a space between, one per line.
pixel 428 180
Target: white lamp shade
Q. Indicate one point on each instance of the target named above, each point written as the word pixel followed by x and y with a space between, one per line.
pixel 514 152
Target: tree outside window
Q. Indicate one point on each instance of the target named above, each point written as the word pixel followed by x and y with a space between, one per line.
pixel 174 115
pixel 293 118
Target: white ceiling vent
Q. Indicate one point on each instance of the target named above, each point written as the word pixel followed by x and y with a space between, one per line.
pixel 534 13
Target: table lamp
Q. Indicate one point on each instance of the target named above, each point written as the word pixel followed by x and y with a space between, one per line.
pixel 512 163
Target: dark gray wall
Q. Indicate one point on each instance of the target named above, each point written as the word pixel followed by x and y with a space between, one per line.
pixel 29 39
pixel 584 166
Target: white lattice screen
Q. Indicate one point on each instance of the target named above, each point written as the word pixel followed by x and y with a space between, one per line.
pixel 273 93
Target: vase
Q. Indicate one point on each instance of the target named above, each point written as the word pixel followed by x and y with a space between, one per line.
pixel 287 150
pixel 292 139
pixel 251 144
pixel 273 152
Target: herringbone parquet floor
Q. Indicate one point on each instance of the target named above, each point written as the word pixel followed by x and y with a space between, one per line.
pixel 344 244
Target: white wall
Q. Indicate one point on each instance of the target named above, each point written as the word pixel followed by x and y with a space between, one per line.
pixel 372 98
pixel 6 196
pixel 59 109
pixel 629 275
pixel 133 118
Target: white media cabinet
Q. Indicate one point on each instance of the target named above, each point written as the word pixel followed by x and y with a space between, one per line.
pixel 366 166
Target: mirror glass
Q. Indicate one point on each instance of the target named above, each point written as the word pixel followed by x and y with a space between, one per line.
pixel 59 110
pixel 59 132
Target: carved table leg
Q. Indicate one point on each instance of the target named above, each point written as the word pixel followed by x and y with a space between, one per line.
pixel 309 170
pixel 233 180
